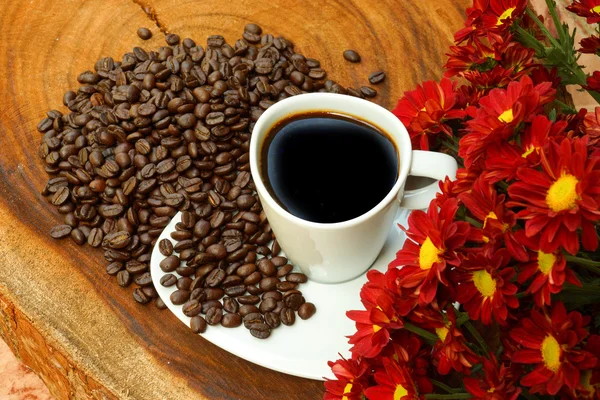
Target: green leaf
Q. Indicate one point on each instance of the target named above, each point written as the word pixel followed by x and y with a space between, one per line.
pixel 552 115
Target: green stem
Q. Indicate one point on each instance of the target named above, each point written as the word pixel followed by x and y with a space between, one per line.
pixel 443 386
pixel 566 107
pixel 464 317
pixel 559 27
pixel 544 30
pixel 473 222
pixel 448 396
pixel 450 145
pixel 590 265
pixel 477 336
pixel 430 337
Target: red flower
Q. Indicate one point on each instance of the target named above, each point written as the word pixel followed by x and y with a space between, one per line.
pixel 475 55
pixel 451 351
pixel 591 127
pixel 501 13
pixel 464 180
pixel 498 77
pixel 590 45
pixel 548 270
pixel 472 21
pixel 393 383
pixel 517 59
pixel 499 113
pixel 425 110
pixel 552 345
pixel 502 162
pixel 589 9
pixel 351 379
pixel 433 239
pixel 484 287
pixel 497 382
pixel 373 326
pixel 541 74
pixel 593 82
pixel 562 198
pixel 487 206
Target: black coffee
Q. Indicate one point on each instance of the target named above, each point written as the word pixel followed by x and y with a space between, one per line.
pixel 327 168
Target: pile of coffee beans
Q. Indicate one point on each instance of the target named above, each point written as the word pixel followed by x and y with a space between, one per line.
pixel 231 272
pixel 165 131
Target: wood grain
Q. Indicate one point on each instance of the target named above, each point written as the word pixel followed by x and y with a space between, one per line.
pixel 59 311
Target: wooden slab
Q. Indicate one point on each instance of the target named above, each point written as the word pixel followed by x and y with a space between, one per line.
pixel 59 311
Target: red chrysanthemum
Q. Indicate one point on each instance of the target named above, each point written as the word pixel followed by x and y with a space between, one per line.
pixel 497 77
pixel 499 113
pixel 589 9
pixel 591 127
pixel 351 379
pixel 451 352
pixel 540 74
pixel 464 180
pixel 590 45
pixel 593 82
pixel 475 55
pixel 394 382
pixel 517 59
pixel 502 162
pixel 496 383
pixel 484 287
pixel 500 14
pixel 561 199
pixel 373 325
pixel 425 111
pixel 433 239
pixel 488 207
pixel 548 270
pixel 551 343
pixel 589 381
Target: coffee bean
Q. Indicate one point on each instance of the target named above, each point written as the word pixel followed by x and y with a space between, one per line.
pixel 248 299
pixel 283 271
pixel 287 316
pixel 307 310
pixel 368 91
pixel 260 331
pixel 293 301
pixel 296 278
pixel 170 263
pixel 140 296
pixel 172 39
pixel 285 286
pixel 279 261
pixel 231 320
pixel 144 33
pixel 268 283
pixel 214 315
pixel 95 237
pixel 215 278
pixel 377 77
pixel 267 305
pixel 179 297
pixel 230 305
pixel 248 309
pixel 165 247
pixel 252 319
pixel 60 231
pixel 168 280
pixel 124 278
pixel 352 56
pixel 198 324
pixel 184 283
pixel 114 268
pixel 266 267
pixel 191 308
pixel 272 319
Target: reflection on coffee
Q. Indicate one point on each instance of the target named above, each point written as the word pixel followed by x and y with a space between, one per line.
pixel 327 168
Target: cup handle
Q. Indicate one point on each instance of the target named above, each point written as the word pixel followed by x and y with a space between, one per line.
pixel 428 164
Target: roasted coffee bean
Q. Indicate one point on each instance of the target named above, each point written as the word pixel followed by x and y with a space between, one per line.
pixel 124 278
pixel 165 246
pixel 95 237
pixel 272 319
pixel 248 299
pixel 260 331
pixel 266 267
pixel 172 39
pixel 268 283
pixel 114 268
pixel 245 270
pixel 160 304
pixel 293 301
pixel 208 304
pixel 296 277
pixel 214 315
pixel 215 277
pixel 252 279
pixel 307 310
pixel 141 297
pixel 214 293
pixel 283 271
pixel 170 263
pixel 247 309
pixel 144 33
pixel 235 291
pixel 279 261
pixel 60 231
pixel 287 316
pixel 267 305
pixel 144 279
pixel 368 91
pixel 352 56
pixel 179 297
pixel 184 283
pixel 191 308
pixel 231 320
pixel 168 280
pixel 252 319
pixel 198 324
pixel 134 267
pixel 230 305
pixel 377 77
pixel 117 240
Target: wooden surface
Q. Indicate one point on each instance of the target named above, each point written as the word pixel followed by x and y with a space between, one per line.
pixel 59 311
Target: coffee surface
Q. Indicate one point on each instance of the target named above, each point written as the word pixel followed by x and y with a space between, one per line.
pixel 328 168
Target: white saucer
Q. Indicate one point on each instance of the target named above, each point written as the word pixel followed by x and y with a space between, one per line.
pixel 304 348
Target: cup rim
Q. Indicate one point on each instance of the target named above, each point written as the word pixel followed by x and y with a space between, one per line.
pixel 400 134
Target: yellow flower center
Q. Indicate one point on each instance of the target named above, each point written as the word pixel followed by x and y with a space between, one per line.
pixel 596 10
pixel 429 254
pixel 529 151
pixel 484 283
pixel 400 392
pixel 562 195
pixel 551 352
pixel 491 215
pixel 507 116
pixel 347 390
pixel 546 262
pixel 505 14
pixel 442 333
pixel 376 328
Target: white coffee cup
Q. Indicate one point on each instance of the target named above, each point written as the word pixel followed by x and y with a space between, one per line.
pixel 337 252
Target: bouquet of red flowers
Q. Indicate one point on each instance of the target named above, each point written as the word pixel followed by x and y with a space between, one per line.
pixel 496 292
